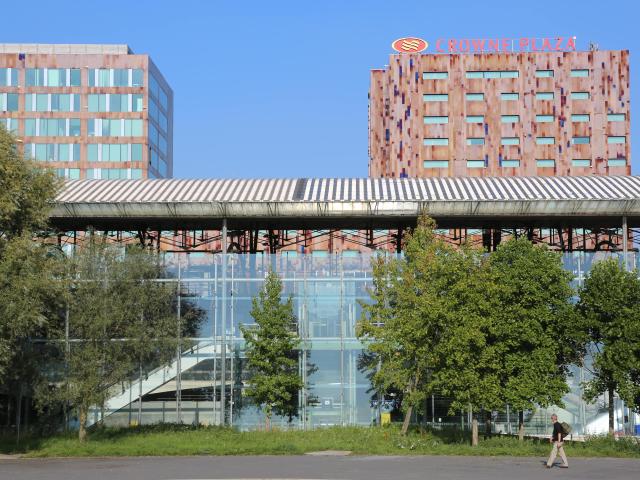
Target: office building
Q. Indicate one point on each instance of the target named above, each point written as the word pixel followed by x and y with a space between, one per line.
pixel 88 111
pixel 500 114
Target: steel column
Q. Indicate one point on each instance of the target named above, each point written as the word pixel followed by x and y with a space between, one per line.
pixel 223 326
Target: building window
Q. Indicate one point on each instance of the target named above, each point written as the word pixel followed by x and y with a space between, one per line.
pixel 544 118
pixel 8 77
pixel 436 141
pixel 114 102
pixel 616 117
pixel 475 118
pixel 52 127
pixel 475 97
pixel 580 140
pixel 114 152
pixel 580 72
pixel 52 102
pixel 435 75
pixel 8 102
pixel 114 127
pixel 435 97
pixel 510 141
pixel 545 140
pixel 544 73
pixel 579 95
pixel 544 96
pixel 475 141
pixel 493 74
pixel 435 120
pixel 52 77
pixel 510 118
pixel 114 173
pixel 53 152
pixel 509 96
pixel 510 163
pixel 10 124
pixel 615 139
pixel 545 162
pixel 116 77
pixel 70 173
pixel 617 162
pixel 579 117
pixel 436 164
pixel 475 164
pixel 581 162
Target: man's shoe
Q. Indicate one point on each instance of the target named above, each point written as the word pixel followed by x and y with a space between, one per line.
pixel 564 466
pixel 547 466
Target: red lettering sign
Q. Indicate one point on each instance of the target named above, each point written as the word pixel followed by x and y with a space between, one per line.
pixel 491 45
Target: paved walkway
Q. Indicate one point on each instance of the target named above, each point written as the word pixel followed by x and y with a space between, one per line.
pixel 314 467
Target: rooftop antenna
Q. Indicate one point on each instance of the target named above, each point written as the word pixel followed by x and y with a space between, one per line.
pixel 593 47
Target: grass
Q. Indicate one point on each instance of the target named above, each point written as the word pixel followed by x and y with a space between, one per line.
pixel 189 440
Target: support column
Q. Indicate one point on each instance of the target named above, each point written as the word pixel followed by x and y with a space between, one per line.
pixel 625 246
pixel 223 327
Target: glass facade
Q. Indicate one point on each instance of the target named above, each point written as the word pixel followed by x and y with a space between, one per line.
pixel 326 291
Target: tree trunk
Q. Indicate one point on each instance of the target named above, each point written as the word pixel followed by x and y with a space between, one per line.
pixel 82 431
pixel 611 412
pixel 521 425
pixel 474 432
pixel 407 421
pixel 267 423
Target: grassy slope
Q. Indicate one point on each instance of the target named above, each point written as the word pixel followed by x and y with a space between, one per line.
pixel 186 440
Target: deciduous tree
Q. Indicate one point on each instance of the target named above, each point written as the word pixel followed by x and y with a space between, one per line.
pixel 272 352
pixel 610 305
pixel 119 317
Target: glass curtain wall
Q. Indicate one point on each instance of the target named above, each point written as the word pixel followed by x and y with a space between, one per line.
pixel 326 291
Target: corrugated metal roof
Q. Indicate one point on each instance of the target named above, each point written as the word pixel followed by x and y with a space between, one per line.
pixel 352 189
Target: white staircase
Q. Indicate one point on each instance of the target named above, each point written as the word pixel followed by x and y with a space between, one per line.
pixel 155 379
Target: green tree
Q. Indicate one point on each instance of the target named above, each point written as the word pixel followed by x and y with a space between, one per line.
pixel 610 305
pixel 272 351
pixel 27 191
pixel 119 318
pixel 408 313
pixel 27 268
pixel 512 333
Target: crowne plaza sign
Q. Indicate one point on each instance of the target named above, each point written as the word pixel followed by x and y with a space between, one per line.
pixel 487 45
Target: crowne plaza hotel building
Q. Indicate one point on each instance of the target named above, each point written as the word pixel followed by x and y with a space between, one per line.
pixel 500 114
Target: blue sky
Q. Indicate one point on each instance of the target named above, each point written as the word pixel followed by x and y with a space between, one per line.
pixel 279 88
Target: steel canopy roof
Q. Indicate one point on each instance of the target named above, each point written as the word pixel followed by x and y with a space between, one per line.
pixel 349 202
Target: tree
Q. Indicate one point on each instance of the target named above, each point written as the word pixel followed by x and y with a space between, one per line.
pixel 535 329
pixel 610 305
pixel 119 317
pixel 27 191
pixel 272 352
pixel 512 334
pixel 409 312
pixel 27 293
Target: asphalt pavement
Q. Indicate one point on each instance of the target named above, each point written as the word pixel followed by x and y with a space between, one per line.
pixel 314 467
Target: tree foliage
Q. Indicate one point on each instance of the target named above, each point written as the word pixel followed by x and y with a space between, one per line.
pixel 272 346
pixel 28 295
pixel 409 312
pixel 119 318
pixel 27 191
pixel 483 330
pixel 610 306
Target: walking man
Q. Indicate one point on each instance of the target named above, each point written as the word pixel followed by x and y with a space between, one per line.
pixel 556 439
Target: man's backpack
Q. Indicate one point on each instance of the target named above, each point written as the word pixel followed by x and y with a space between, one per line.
pixel 566 429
